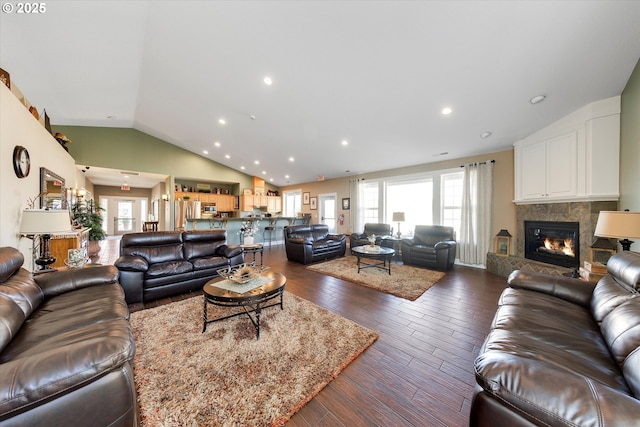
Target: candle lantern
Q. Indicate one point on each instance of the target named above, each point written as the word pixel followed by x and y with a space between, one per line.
pixel 503 243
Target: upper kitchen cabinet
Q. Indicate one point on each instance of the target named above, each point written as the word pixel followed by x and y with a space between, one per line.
pixel 574 159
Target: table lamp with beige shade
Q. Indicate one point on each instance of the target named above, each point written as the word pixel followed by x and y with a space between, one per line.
pixel 619 225
pixel 44 223
pixel 398 217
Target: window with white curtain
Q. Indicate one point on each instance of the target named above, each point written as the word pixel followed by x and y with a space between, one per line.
pixel 292 203
pixel 369 202
pixel 414 197
pixel 430 198
pixel 452 200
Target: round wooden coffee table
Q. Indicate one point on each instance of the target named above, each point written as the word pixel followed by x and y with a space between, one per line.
pixel 382 253
pixel 252 301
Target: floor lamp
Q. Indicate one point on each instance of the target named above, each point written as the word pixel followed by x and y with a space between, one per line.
pixel 44 223
pixel 619 225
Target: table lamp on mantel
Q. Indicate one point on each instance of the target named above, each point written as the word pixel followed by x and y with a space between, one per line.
pixel 398 217
pixel 619 225
pixel 44 223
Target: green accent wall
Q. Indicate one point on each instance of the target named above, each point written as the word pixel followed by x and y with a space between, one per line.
pixel 130 149
pixel 630 145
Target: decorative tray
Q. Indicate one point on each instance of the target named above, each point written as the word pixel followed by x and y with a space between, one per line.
pixel 242 273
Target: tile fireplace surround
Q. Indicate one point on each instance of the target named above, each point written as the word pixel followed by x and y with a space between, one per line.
pixel 585 213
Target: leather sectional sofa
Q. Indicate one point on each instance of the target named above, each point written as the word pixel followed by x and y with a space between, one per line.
pixel 311 243
pixel 381 231
pixel 432 246
pixel 66 347
pixel 158 264
pixel 563 352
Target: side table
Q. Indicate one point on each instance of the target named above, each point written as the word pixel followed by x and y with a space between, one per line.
pixel 393 242
pixel 256 248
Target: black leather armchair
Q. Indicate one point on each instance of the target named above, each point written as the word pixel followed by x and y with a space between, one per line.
pixel 432 246
pixel 381 232
pixel 310 243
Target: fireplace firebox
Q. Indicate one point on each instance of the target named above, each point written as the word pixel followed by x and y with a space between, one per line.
pixel 553 242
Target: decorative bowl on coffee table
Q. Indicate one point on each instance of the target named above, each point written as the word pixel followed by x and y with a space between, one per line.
pixel 242 273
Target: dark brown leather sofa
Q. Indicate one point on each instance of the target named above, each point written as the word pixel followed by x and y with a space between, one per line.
pixel 310 243
pixel 432 246
pixel 164 263
pixel 66 347
pixel 381 231
pixel 563 352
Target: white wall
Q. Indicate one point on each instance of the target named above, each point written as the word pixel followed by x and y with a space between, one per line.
pixel 19 127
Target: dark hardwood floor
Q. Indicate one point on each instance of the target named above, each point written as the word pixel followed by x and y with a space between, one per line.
pixel 419 371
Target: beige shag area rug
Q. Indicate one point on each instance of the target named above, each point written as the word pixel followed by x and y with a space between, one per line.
pixel 405 281
pixel 225 376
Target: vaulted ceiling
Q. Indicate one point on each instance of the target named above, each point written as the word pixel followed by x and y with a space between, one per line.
pixel 375 75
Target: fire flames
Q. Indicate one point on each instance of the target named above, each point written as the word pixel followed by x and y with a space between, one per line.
pixel 555 246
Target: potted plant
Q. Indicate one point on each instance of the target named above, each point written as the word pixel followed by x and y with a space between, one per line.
pixel 88 214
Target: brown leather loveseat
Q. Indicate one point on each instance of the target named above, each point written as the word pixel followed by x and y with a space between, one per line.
pixel 310 243
pixel 163 263
pixel 66 347
pixel 563 352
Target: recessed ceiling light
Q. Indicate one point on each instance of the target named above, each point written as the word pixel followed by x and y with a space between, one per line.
pixel 205 152
pixel 345 142
pixel 226 156
pixel 126 177
pixel 222 121
pixel 484 135
pixel 446 111
pixel 271 179
pixel 257 162
pixel 286 176
pixel 537 99
pixel 264 172
pixel 291 159
pixel 267 80
pixel 242 167
pixel 217 144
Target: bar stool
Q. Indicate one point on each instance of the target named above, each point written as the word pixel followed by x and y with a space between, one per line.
pixel 217 223
pixel 271 229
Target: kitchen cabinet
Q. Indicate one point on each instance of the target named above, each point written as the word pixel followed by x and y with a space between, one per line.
pixel 246 202
pixel 574 159
pixel 223 202
pixel 548 168
pixel 274 204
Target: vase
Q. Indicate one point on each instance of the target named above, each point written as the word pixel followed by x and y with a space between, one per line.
pixel 248 240
pixel 94 248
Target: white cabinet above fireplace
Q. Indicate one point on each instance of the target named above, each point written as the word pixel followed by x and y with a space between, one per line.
pixel 574 159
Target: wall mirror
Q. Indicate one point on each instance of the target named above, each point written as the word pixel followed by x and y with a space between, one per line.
pixel 52 190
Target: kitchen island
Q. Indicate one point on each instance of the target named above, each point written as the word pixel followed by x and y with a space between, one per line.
pixel 235 225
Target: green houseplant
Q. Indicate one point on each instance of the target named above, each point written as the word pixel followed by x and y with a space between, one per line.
pixel 88 214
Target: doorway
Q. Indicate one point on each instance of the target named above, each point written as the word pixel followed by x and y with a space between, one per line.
pixel 328 210
pixel 126 214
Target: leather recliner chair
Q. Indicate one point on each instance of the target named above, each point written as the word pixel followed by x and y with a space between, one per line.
pixel 432 246
pixel 381 232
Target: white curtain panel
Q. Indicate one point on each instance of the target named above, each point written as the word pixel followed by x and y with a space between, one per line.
pixel 475 239
pixel 355 208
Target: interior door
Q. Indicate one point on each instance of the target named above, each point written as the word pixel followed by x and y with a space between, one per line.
pixel 328 210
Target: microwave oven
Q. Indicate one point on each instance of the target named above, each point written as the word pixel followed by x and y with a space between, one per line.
pixel 208 208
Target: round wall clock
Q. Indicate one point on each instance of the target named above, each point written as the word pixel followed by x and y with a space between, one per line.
pixel 21 161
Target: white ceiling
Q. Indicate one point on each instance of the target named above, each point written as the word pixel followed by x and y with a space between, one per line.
pixel 376 74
